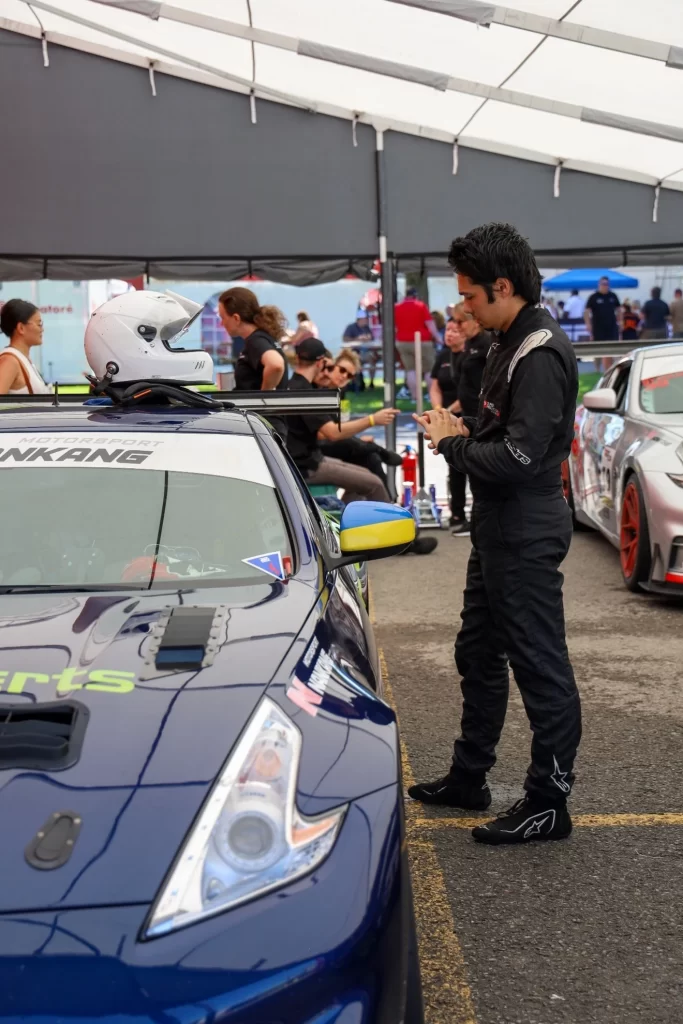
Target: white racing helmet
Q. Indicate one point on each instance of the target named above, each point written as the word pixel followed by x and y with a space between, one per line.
pixel 134 337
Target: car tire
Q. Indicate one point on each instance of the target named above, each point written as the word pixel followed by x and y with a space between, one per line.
pixel 414 1011
pixel 579 527
pixel 634 536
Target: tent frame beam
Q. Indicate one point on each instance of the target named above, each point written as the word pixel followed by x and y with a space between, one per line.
pixel 572 32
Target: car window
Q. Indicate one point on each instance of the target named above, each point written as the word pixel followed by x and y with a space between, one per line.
pixel 138 525
pixel 661 385
pixel 607 380
pixel 319 520
pixel 620 385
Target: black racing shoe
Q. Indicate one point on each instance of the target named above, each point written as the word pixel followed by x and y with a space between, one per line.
pixel 460 528
pixel 530 818
pixel 390 458
pixel 421 546
pixel 471 794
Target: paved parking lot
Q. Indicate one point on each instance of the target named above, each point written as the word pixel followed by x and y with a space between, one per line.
pixel 582 931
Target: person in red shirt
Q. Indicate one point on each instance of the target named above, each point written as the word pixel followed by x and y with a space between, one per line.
pixel 410 317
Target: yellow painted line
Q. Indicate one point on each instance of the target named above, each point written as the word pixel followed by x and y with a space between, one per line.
pixel 625 820
pixel 447 994
pixel 579 821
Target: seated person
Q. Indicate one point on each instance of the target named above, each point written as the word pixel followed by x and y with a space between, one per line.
pixel 355 334
pixel 361 451
pixel 307 431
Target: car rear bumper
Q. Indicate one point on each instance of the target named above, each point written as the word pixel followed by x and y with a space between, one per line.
pixel 329 949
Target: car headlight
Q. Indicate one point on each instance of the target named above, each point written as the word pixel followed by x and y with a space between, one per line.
pixel 249 837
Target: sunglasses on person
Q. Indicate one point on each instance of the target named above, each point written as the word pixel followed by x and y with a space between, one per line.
pixel 345 372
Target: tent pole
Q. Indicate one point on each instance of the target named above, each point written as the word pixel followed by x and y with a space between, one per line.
pixel 388 285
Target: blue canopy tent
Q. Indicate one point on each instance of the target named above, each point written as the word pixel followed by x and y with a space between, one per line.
pixel 584 280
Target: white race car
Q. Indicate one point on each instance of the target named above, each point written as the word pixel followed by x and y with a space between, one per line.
pixel 624 476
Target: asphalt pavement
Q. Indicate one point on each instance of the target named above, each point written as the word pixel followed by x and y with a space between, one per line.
pixel 584 931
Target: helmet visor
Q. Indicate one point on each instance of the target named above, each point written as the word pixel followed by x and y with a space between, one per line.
pixel 172 333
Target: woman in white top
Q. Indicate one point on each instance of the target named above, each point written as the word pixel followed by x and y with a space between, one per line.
pixel 22 323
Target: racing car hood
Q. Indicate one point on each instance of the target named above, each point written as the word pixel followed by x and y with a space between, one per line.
pixel 149 742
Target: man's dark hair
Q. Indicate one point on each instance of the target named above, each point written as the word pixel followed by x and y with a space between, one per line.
pixel 678 292
pixel 656 293
pixel 411 293
pixel 497 250
pixel 604 278
pixel 575 291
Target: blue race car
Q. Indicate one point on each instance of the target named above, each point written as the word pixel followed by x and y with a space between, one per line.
pixel 200 791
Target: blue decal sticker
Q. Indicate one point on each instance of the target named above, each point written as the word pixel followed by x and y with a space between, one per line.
pixel 271 564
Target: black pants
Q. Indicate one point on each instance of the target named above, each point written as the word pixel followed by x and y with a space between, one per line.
pixel 513 610
pixel 358 453
pixel 457 483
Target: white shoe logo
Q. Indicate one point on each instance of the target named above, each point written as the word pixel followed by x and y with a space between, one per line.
pixel 558 777
pixel 534 824
pixel 534 830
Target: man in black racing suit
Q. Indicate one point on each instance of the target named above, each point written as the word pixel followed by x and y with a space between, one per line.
pixel 521 529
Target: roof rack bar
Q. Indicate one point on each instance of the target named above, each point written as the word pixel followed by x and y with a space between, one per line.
pixel 282 403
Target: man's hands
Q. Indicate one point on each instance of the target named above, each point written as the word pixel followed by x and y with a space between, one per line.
pixel 385 416
pixel 440 423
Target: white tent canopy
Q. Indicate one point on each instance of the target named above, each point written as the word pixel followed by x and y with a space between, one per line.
pixel 300 140
pixel 549 80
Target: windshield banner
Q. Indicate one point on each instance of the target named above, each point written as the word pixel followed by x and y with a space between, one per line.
pixel 226 455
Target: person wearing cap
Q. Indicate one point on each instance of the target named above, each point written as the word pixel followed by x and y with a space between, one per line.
pixel 411 317
pixel 308 430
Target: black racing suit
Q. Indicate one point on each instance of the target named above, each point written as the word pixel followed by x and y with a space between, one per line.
pixel 521 529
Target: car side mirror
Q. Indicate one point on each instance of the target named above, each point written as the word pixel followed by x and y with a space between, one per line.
pixel 373 529
pixel 601 400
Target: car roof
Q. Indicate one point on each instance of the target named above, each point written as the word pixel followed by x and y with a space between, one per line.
pixel 672 349
pixel 108 418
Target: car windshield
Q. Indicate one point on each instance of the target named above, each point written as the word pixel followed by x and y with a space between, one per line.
pixel 135 521
pixel 661 385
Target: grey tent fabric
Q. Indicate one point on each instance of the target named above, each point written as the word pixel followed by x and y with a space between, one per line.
pixel 184 186
pixel 296 272
pixel 185 175
pixel 428 205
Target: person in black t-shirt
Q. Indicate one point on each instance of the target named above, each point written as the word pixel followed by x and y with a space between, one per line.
pixel 602 316
pixel 445 373
pixel 472 345
pixel 306 431
pixel 655 316
pixel 602 312
pixel 261 365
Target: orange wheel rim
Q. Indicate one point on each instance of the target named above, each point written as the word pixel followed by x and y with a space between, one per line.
pixel 565 480
pixel 630 530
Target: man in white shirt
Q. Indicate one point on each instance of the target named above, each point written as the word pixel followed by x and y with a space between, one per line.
pixel 575 306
